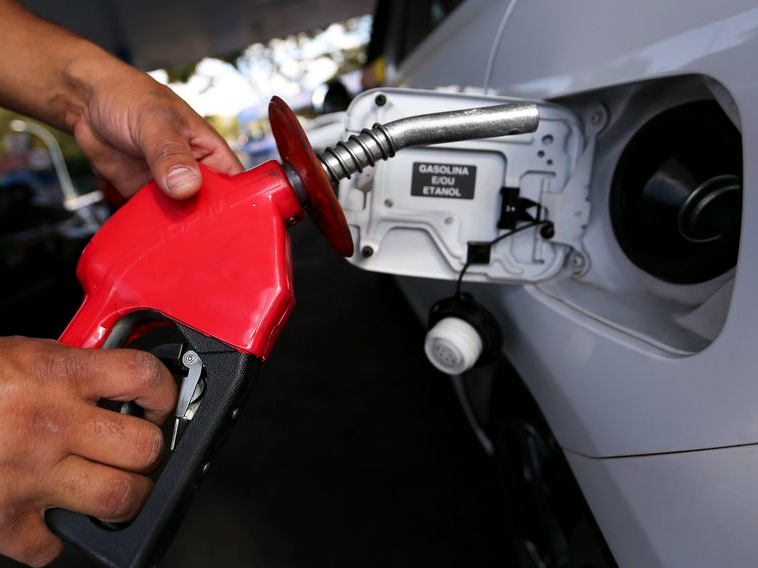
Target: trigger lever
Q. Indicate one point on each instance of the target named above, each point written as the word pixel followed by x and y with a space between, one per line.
pixel 189 393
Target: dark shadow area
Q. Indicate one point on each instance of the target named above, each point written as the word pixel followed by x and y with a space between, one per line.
pixel 352 450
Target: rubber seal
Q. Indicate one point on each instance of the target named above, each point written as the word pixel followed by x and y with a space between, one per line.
pixel 295 149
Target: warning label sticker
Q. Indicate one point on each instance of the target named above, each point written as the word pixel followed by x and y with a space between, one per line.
pixel 455 181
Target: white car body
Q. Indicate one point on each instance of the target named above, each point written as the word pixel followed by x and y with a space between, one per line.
pixel 649 386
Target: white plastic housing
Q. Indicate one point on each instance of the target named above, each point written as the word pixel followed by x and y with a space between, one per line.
pixel 418 211
pixel 453 346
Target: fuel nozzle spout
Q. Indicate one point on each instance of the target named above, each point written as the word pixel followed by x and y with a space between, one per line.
pixel 382 141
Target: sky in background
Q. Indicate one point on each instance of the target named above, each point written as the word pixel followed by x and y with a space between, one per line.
pixel 285 67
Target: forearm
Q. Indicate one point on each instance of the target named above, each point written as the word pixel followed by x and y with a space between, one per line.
pixel 46 71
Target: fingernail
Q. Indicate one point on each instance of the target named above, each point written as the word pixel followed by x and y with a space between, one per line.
pixel 182 179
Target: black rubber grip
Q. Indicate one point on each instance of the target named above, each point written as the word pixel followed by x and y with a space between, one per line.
pixel 142 543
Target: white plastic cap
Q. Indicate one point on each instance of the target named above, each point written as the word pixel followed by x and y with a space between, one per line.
pixel 453 346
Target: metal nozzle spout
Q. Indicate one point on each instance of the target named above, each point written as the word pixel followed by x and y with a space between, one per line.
pixel 382 141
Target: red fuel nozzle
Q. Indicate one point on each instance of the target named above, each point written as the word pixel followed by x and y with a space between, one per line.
pixel 217 269
pixel 219 262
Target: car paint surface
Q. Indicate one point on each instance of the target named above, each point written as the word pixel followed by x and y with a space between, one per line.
pixel 662 444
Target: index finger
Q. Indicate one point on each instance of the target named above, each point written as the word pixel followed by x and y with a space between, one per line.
pixel 129 375
pixel 216 154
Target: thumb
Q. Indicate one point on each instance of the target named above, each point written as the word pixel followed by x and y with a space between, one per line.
pixel 171 162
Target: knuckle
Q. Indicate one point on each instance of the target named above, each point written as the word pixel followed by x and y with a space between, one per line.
pixel 146 370
pixel 148 446
pixel 23 541
pixel 111 427
pixel 42 555
pixel 43 422
pixel 118 498
pixel 28 551
pixel 169 151
pixel 76 486
pixel 162 114
pixel 44 365
pixel 73 363
pixel 10 519
pixel 40 362
pixel 49 361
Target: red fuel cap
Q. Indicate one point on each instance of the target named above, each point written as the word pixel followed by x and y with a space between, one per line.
pixel 295 149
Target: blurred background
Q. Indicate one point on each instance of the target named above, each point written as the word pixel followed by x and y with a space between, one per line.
pixel 353 450
pixel 226 59
pixel 51 201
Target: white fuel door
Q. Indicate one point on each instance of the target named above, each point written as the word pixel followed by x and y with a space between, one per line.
pixel 427 210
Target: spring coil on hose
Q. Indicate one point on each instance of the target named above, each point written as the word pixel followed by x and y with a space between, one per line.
pixel 382 141
pixel 357 152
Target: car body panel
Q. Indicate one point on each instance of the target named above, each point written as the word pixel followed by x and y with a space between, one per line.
pixel 691 509
pixel 606 393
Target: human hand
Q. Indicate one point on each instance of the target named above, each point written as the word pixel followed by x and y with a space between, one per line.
pixel 58 449
pixel 134 129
